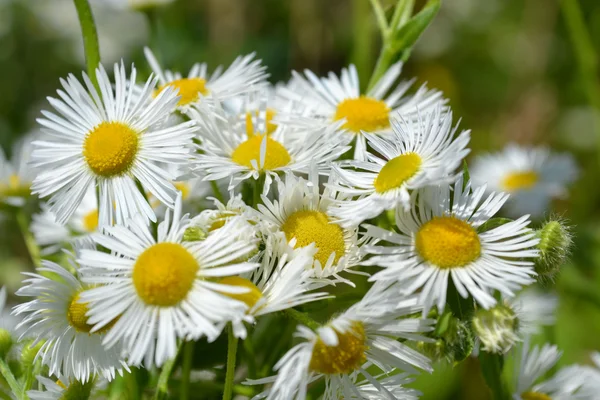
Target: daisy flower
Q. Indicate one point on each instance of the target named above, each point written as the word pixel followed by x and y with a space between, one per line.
pixel 242 74
pixel 334 98
pixel 227 150
pixel 51 235
pixel 111 139
pixel 347 350
pixel 160 290
pixel 533 176
pixel 438 239
pixel 534 309
pixel 301 213
pixel 16 174
pixel 534 363
pixel 59 316
pixel 413 156
pixel 278 284
pixel 211 220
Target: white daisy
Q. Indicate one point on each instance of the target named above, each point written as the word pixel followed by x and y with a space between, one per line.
pixel 244 73
pixel 161 290
pixel 413 156
pixel 210 220
pixel 534 309
pixel 111 139
pixel 439 239
pixel 301 213
pixel 52 236
pixel 59 316
pixel 333 99
pixel 534 363
pixel 533 176
pixel 16 174
pixel 227 150
pixel 278 284
pixel 350 348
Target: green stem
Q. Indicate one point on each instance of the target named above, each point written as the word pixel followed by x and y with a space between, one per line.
pixel 491 368
pixel 216 191
pixel 188 355
pixel 232 344
pixel 90 38
pixel 251 357
pixel 32 247
pixel 385 59
pixel 380 16
pixel 402 13
pixel 10 378
pixel 257 190
pixel 302 318
pixel 162 389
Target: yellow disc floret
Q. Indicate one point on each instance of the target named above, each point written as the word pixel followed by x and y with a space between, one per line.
pixel 90 221
pixel 311 226
pixel 250 298
pixel 535 396
pixel 346 357
pixel 397 171
pixel 448 242
pixel 363 114
pixel 164 274
pixel 110 148
pixel 14 187
pixel 184 188
pixel 519 180
pixel 189 89
pixel 76 315
pixel 276 155
pixel 251 118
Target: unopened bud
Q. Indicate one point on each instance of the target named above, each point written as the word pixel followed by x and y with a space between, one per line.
pixel 29 352
pixel 6 342
pixel 193 234
pixel 496 328
pixel 462 345
pixel 78 390
pixel 555 244
pixel 434 350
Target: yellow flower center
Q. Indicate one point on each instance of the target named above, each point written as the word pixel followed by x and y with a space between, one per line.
pixel 62 385
pixel 110 148
pixel 250 298
pixel 397 171
pixel 363 114
pixel 164 274
pixel 276 156
pixel 14 187
pixel 90 221
pixel 314 227
pixel 448 242
pixel 184 188
pixel 535 396
pixel 76 315
pixel 520 180
pixel 346 357
pixel 189 89
pixel 252 117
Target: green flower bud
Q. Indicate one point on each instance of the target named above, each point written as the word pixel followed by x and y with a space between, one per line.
pixel 462 344
pixel 194 234
pixel 555 245
pixel 453 340
pixel 496 328
pixel 434 350
pixel 78 390
pixel 6 342
pixel 29 352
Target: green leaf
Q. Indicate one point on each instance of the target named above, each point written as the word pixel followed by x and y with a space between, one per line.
pixel 491 368
pixel 493 223
pixel 404 37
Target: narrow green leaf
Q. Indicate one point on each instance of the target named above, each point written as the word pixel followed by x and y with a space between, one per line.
pixel 405 36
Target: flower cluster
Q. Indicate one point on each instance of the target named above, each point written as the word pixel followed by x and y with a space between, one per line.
pixel 319 189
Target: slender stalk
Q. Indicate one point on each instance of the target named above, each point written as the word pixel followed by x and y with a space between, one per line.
pixel 232 344
pixel 162 389
pixel 380 16
pixel 10 378
pixel 385 59
pixel 491 368
pixel 302 318
pixel 188 355
pixel 216 191
pixel 32 247
pixel 258 189
pixel 402 13
pixel 90 38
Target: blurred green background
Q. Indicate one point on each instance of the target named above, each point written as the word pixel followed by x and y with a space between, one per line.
pixel 508 67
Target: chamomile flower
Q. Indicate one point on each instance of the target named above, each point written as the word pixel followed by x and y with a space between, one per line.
pixel 350 348
pixel 244 73
pixel 413 156
pixel 213 219
pixel 334 98
pixel 160 290
pixel 534 310
pixel 301 213
pixel 228 151
pixel 278 284
pixel 438 240
pixel 533 364
pixel 59 316
pixel 16 174
pixel 111 139
pixel 52 236
pixel 533 176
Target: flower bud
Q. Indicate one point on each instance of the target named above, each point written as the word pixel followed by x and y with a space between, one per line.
pixel 496 328
pixel 194 234
pixel 6 342
pixel 555 244
pixel 29 352
pixel 78 390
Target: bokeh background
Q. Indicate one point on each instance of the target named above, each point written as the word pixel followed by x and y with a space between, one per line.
pixel 509 68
